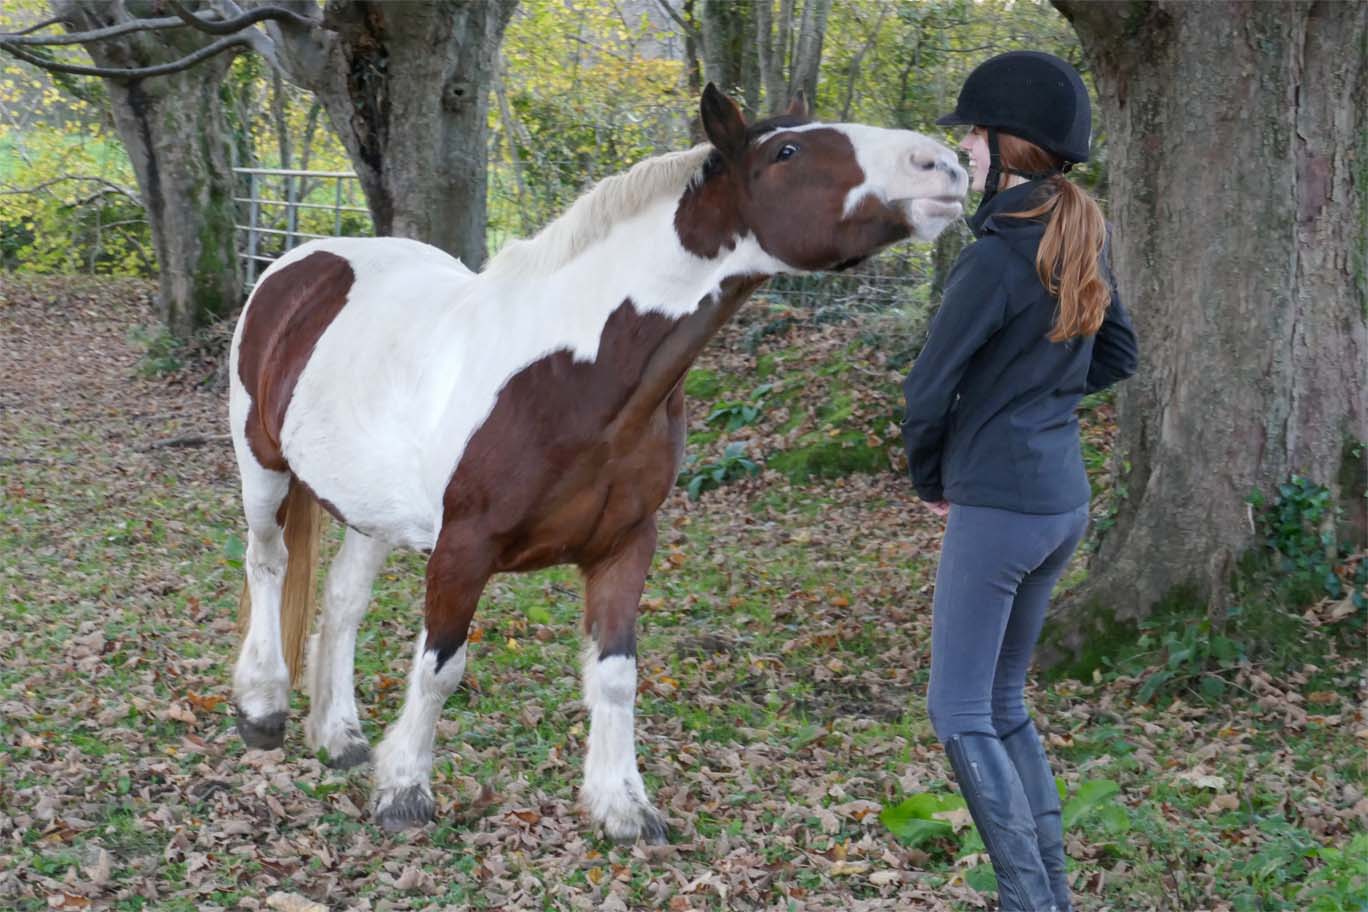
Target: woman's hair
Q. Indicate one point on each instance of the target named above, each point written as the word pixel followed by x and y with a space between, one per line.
pixel 1069 260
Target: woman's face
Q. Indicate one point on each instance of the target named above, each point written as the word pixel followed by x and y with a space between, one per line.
pixel 975 142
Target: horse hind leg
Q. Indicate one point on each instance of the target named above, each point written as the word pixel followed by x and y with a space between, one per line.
pixel 332 725
pixel 261 679
pixel 614 793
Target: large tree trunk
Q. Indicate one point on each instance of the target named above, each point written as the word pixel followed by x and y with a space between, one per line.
pixel 807 56
pixel 1238 192
pixel 406 87
pixel 176 133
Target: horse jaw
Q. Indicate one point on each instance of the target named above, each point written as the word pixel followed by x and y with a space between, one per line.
pixel 929 216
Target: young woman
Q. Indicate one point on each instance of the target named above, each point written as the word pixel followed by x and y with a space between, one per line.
pixel 1030 323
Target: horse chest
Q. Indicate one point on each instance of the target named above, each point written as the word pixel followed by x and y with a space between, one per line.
pixel 567 501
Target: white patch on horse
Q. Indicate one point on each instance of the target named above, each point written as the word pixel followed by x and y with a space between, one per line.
pixel 407 393
pixel 332 723
pixel 613 793
pixel 902 166
pixel 404 758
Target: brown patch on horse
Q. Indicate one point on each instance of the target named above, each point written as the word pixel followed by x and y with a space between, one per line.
pixel 574 457
pixel 708 216
pixel 821 175
pixel 288 313
pixel 713 213
pixel 539 471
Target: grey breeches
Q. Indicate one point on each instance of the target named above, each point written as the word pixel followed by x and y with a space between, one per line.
pixel 996 571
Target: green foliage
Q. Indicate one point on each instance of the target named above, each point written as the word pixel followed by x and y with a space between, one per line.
pixel 733 416
pixel 923 818
pixel 161 350
pixel 732 465
pixel 1299 530
pixel 913 820
pixel 1341 883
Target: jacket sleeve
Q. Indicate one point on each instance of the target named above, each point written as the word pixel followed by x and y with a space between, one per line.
pixel 1116 354
pixel 972 310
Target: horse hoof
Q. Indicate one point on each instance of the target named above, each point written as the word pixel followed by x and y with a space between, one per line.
pixel 266 733
pixel 653 830
pixel 354 754
pixel 408 808
pixel 649 827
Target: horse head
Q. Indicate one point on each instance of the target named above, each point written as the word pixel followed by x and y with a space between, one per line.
pixel 815 195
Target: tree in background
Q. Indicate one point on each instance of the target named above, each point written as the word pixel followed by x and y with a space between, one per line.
pixel 1240 197
pixel 762 51
pixel 405 87
pixel 171 120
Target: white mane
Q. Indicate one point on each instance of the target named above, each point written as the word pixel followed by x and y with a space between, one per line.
pixel 593 214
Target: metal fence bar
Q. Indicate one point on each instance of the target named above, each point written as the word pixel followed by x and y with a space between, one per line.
pixel 326 206
pixel 265 244
pixel 251 232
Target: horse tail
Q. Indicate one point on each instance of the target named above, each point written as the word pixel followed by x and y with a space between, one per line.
pixel 298 599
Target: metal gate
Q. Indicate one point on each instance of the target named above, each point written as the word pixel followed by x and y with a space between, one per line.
pixel 282 208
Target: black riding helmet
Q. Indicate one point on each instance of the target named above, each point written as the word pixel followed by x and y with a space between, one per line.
pixel 1029 94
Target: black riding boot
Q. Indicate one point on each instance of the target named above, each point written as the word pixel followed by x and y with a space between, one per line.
pixel 998 804
pixel 1037 780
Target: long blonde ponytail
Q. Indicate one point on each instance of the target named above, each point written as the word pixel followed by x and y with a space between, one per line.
pixel 1069 260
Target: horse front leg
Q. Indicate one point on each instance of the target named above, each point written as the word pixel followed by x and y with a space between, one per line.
pixel 613 793
pixel 403 761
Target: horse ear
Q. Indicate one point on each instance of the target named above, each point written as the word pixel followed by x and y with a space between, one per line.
pixel 798 107
pixel 723 123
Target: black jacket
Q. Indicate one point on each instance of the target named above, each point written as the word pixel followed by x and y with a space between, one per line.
pixel 990 402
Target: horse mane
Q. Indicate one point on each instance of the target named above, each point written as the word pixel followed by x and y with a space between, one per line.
pixel 593 215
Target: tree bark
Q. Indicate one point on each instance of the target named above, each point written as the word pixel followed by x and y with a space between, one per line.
pixel 406 86
pixel 807 55
pixel 769 54
pixel 175 130
pixel 1239 195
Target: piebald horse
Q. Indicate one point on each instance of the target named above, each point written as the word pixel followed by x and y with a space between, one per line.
pixel 528 415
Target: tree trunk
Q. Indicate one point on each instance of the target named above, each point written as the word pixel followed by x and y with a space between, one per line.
pixel 406 88
pixel 1239 194
pixel 771 62
pixel 808 54
pixel 726 43
pixel 175 130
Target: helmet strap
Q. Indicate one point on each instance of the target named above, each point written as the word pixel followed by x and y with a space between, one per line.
pixel 990 183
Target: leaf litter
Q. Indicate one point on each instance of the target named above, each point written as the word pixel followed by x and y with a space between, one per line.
pixel 785 638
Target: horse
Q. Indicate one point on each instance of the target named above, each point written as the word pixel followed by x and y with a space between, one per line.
pixel 527 415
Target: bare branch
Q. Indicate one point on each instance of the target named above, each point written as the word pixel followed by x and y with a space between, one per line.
pixel 175 66
pixel 41 25
pixel 108 186
pixel 237 23
pixel 188 440
pixel 112 31
pixel 679 20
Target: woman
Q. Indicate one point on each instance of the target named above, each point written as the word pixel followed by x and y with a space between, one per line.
pixel 1030 323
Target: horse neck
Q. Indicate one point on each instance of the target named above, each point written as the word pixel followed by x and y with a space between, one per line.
pixel 640 259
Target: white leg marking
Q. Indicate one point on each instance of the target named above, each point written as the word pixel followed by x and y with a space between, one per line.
pixel 261 682
pixel 332 723
pixel 614 793
pixel 403 761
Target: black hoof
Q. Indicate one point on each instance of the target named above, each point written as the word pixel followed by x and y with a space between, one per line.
pixel 654 831
pixel 411 807
pixel 354 754
pixel 266 733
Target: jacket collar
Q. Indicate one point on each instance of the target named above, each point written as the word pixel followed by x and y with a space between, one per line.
pixel 1013 199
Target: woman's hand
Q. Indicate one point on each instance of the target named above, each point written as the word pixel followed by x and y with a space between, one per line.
pixel 940 507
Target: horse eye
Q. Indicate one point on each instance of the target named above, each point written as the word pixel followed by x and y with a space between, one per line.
pixel 786 152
